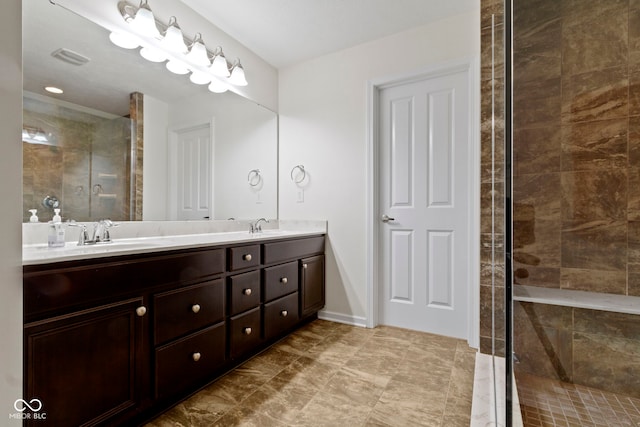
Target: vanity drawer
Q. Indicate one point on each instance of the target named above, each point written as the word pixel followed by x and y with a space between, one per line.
pixel 280 315
pixel 187 309
pixel 280 280
pixel 189 361
pixel 244 332
pixel 292 249
pixel 244 256
pixel 244 292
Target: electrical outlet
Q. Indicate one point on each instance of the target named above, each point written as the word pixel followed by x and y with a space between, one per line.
pixel 300 198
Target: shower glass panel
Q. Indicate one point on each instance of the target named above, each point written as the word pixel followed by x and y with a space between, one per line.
pixel 575 139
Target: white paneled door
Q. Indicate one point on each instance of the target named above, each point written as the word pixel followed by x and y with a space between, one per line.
pixel 194 173
pixel 424 204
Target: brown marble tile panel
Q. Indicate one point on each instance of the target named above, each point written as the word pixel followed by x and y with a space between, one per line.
pixel 580 279
pixel 595 145
pixel 542 349
pixel 590 196
pixel 486 208
pixel 634 141
pixel 488 8
pixel 492 304
pixel 357 387
pixel 634 91
pixel 457 413
pixel 492 272
pixel 598 245
pixel 405 404
pixel 633 285
pixel 620 325
pixel 537 150
pixel 368 363
pixel 536 197
pixel 536 102
pixel 307 372
pixel 328 410
pixel 545 277
pixel 492 52
pixel 537 53
pixel 462 376
pixel 633 246
pixel 530 14
pixel 634 34
pixel 595 41
pixel 492 119
pixel 386 346
pixel 576 12
pixel 487 345
pixel 595 95
pixel 537 244
pixel 607 363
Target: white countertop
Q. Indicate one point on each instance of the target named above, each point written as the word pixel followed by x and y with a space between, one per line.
pixel 33 254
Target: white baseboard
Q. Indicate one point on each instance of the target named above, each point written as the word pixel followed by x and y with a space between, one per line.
pixel 343 318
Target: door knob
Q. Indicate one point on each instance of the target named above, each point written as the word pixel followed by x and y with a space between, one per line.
pixel 387 218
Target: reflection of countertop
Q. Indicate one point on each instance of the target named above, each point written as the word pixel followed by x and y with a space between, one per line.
pixel 33 254
pixel 579 299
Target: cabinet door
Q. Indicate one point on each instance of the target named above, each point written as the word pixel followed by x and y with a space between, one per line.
pixel 311 285
pixel 88 367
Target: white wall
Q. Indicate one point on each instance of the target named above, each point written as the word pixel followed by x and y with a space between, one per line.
pixel 323 105
pixel 245 138
pixel 154 168
pixel 11 190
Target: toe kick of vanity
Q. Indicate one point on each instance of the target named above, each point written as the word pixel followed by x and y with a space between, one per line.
pixel 131 335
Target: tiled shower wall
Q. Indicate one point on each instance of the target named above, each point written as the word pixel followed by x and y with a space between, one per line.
pixel 492 130
pixel 577 185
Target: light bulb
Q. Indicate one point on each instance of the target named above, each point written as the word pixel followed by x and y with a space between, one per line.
pixel 237 74
pixel 199 78
pixel 123 40
pixel 198 53
pixel 219 65
pixel 177 67
pixel 217 86
pixel 173 39
pixel 152 54
pixel 144 22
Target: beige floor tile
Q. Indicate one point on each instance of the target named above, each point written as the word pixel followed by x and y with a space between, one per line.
pixel 327 410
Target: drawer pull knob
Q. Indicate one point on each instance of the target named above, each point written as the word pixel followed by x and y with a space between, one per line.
pixel 284 313
pixel 195 308
pixel 195 356
pixel 247 257
pixel 246 331
pixel 304 266
pixel 284 280
pixel 141 311
pixel 247 291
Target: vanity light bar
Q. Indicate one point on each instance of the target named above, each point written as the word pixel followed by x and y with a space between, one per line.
pixel 160 43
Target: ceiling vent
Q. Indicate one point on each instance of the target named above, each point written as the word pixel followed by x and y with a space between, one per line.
pixel 70 56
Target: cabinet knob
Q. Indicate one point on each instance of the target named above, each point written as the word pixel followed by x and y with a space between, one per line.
pixel 141 311
pixel 246 331
pixel 284 280
pixel 195 356
pixel 304 266
pixel 195 308
pixel 284 313
pixel 247 291
pixel 247 257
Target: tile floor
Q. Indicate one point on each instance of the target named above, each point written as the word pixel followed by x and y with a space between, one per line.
pixel 546 402
pixel 331 374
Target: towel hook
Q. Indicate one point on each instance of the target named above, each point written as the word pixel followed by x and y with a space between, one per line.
pixel 254 177
pixel 304 174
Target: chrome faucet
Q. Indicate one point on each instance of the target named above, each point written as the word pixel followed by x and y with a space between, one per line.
pixel 101 231
pixel 255 227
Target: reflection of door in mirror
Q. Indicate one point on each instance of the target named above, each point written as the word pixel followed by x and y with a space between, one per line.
pixel 78 155
pixel 194 173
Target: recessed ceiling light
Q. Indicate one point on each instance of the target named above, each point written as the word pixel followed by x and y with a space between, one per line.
pixel 53 89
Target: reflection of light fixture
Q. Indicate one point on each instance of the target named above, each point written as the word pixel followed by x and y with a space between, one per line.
pixel 53 89
pixel 219 65
pixel 144 31
pixel 38 136
pixel 173 39
pixel 237 74
pixel 144 22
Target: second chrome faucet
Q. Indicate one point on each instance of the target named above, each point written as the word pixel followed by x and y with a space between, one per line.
pixel 255 227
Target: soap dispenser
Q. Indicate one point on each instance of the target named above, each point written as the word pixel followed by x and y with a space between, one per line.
pixel 33 217
pixel 56 231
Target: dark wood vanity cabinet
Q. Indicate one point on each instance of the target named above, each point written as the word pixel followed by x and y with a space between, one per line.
pixel 116 340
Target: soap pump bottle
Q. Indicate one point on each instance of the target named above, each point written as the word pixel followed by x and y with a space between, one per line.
pixel 56 231
pixel 33 217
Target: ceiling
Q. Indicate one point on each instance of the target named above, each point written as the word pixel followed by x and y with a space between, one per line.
pixel 285 32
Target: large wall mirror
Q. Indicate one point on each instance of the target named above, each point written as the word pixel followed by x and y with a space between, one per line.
pixel 127 140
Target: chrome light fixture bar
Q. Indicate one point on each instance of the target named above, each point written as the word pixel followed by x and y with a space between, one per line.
pixel 160 43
